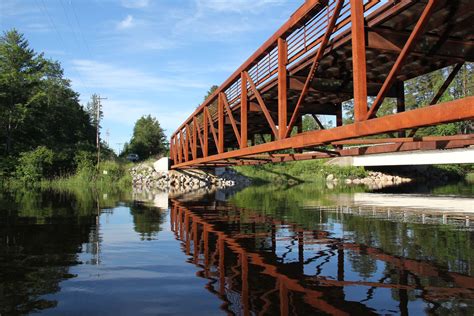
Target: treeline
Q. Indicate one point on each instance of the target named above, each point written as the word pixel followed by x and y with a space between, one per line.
pixel 44 131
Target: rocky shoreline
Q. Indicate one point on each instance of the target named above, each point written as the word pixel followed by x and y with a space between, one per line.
pixel 145 176
pixel 373 180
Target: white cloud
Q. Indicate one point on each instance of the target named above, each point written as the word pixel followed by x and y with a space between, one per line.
pixel 135 4
pixel 116 77
pixel 126 23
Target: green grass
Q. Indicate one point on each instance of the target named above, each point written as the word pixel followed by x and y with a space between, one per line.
pixel 111 174
pixel 298 171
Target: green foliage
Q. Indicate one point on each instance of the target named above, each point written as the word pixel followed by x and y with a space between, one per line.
pixel 85 165
pixel 420 91
pixel 34 165
pixel 21 70
pixel 38 107
pixel 148 139
pixel 111 170
pixel 112 175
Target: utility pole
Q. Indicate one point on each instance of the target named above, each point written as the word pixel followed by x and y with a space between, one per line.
pixel 98 107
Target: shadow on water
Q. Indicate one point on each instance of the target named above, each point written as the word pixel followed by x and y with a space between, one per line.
pixel 301 249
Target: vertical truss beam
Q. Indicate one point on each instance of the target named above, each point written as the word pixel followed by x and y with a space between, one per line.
pixel 282 87
pixel 359 63
pixel 190 141
pixel 180 153
pixel 183 145
pixel 194 139
pixel 243 111
pixel 205 126
pixel 417 31
pixel 220 123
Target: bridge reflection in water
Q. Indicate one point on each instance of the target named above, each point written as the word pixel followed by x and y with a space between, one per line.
pixel 260 264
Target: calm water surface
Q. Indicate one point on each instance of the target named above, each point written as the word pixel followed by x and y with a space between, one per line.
pixel 264 250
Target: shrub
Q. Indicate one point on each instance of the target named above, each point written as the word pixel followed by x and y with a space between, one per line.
pixel 111 170
pixel 85 165
pixel 34 165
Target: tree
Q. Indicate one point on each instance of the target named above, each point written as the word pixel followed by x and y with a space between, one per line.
pixel 38 107
pixel 148 138
pixel 21 70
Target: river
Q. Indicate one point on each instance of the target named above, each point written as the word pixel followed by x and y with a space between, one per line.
pixel 266 250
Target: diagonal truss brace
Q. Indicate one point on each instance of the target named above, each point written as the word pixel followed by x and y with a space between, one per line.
pixel 231 117
pixel 262 105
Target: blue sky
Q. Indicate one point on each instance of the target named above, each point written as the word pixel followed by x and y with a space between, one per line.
pixel 155 57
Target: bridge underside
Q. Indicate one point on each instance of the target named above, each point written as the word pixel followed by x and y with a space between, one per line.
pixel 327 53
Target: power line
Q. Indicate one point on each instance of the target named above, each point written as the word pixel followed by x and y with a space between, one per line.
pixel 70 24
pixel 80 28
pixel 45 12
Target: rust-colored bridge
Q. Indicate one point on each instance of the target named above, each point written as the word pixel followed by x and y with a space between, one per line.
pixel 329 52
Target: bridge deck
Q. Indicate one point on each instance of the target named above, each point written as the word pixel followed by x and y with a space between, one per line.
pixel 307 67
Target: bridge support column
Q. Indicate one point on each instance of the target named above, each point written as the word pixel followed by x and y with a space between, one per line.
pixel 220 121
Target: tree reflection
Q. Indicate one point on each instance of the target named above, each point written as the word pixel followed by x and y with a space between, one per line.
pixel 147 220
pixel 40 236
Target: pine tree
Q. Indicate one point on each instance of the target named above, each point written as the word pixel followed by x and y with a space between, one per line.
pixel 21 70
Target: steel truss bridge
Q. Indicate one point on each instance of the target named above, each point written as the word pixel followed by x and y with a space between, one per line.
pixel 329 52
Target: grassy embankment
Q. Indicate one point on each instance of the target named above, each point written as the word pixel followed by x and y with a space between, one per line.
pixel 298 171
